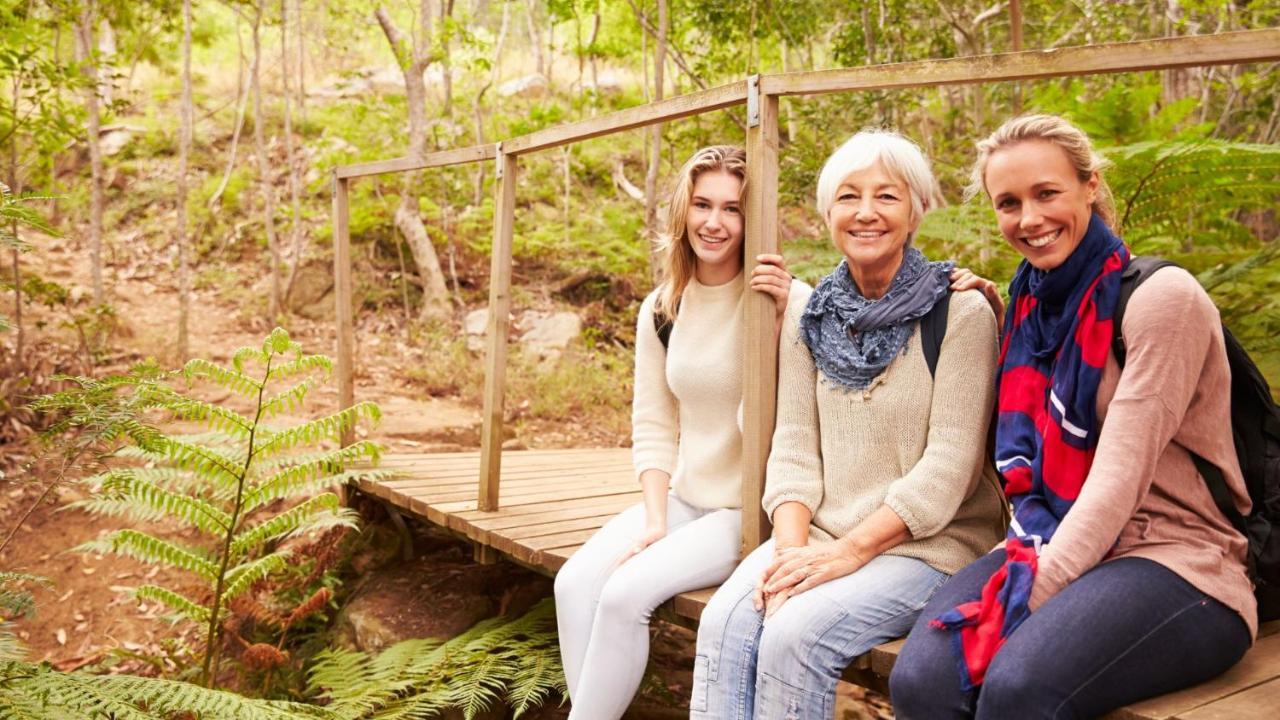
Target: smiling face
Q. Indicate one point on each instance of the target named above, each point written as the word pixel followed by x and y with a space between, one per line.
pixel 1041 203
pixel 870 221
pixel 714 226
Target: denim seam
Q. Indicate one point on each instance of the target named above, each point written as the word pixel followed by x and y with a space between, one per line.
pixel 1198 602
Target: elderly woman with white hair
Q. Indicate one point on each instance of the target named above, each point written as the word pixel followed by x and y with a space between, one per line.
pixel 875 484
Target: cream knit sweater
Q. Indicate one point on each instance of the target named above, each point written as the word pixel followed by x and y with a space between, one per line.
pixel 685 417
pixel 909 441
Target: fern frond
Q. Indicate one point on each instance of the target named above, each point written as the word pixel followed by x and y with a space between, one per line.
pixel 175 602
pixel 148 549
pixel 15 602
pixel 234 380
pixel 11 648
pixel 318 471
pixel 328 427
pixel 292 520
pixel 202 460
pixel 306 363
pixel 239 357
pixel 213 416
pixel 288 400
pixel 241 577
pixel 123 493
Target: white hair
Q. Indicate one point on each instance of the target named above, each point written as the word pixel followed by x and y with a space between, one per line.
pixel 900 157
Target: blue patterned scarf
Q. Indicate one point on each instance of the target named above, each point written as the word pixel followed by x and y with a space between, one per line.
pixel 853 339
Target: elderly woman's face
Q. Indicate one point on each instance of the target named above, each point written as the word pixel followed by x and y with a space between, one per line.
pixel 1041 204
pixel 870 218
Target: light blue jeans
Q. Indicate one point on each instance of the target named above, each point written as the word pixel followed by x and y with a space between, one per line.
pixel 787 669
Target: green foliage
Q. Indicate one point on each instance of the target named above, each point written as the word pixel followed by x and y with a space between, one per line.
pixel 38 692
pixel 217 485
pixel 516 661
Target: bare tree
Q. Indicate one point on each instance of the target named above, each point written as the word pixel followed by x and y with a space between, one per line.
pixel 295 182
pixel 302 60
pixel 655 141
pixel 446 68
pixel 494 68
pixel 242 92
pixel 84 32
pixel 264 171
pixel 413 61
pixel 184 154
pixel 535 35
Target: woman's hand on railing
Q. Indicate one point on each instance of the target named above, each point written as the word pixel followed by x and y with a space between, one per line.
pixel 771 277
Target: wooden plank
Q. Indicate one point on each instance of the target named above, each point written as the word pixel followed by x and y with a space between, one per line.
pixel 466 516
pixel 1261 702
pixel 453 476
pixel 1223 48
pixel 1261 664
pixel 691 604
pixel 457 156
pixel 554 513
pixel 495 378
pixel 538 498
pixel 542 529
pixel 342 296
pixel 760 370
pixel 510 483
pixel 693 103
pixel 585 487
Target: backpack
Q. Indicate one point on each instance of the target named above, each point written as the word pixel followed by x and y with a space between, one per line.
pixel 1255 427
pixel 933 329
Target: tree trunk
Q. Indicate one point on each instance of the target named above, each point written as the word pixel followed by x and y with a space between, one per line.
pixel 93 129
pixel 302 61
pixel 446 67
pixel 535 35
pixel 184 154
pixel 242 92
pixel 295 182
pixel 408 218
pixel 655 144
pixel 264 172
pixel 20 334
pixel 478 190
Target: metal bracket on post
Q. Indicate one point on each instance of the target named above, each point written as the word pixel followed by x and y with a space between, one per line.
pixel 753 101
pixel 497 160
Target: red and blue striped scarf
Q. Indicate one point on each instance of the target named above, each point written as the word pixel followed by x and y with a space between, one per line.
pixel 1057 335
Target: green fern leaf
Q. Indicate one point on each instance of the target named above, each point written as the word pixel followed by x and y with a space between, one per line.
pixel 243 576
pixel 234 380
pixel 122 493
pixel 202 460
pixel 213 416
pixel 176 602
pixel 148 549
pixel 290 521
pixel 306 363
pixel 288 400
pixel 329 427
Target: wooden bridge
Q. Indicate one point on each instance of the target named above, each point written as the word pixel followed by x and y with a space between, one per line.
pixel 552 501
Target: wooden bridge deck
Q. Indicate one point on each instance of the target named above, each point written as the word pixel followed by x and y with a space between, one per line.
pixel 552 501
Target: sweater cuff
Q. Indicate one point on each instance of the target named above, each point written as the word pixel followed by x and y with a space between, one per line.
pixel 771 502
pixel 917 529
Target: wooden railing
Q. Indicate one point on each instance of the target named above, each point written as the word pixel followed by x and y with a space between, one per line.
pixel 760 93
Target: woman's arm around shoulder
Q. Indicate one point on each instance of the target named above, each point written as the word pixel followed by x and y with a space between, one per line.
pixel 927 497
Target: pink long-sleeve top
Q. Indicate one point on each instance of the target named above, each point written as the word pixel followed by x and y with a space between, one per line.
pixel 1144 497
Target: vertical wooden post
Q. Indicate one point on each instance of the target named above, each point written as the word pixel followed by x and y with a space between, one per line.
pixel 495 378
pixel 1015 37
pixel 760 372
pixel 342 295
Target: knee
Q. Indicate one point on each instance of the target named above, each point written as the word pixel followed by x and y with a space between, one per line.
pixel 1010 686
pixel 622 601
pixel 785 644
pixel 913 682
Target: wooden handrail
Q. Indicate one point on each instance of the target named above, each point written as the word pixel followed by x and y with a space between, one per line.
pixel 761 93
pixel 1243 46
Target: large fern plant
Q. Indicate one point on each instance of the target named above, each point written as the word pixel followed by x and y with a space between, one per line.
pixel 36 691
pixel 516 661
pixel 240 487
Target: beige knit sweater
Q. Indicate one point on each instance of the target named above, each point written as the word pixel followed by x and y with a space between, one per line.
pixel 686 415
pixel 909 441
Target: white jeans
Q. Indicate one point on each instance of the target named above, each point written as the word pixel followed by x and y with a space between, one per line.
pixel 603 609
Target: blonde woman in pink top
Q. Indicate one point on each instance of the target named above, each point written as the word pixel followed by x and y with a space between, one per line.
pixel 1120 578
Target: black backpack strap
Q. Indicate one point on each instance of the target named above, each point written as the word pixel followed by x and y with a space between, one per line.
pixel 663 325
pixel 933 329
pixel 1141 268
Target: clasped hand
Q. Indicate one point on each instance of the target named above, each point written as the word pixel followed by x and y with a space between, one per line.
pixel 797 569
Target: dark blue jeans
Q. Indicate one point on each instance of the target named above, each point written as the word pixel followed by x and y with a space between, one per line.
pixel 1126 630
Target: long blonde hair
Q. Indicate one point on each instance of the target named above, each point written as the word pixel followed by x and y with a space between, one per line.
pixel 678 260
pixel 1057 130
